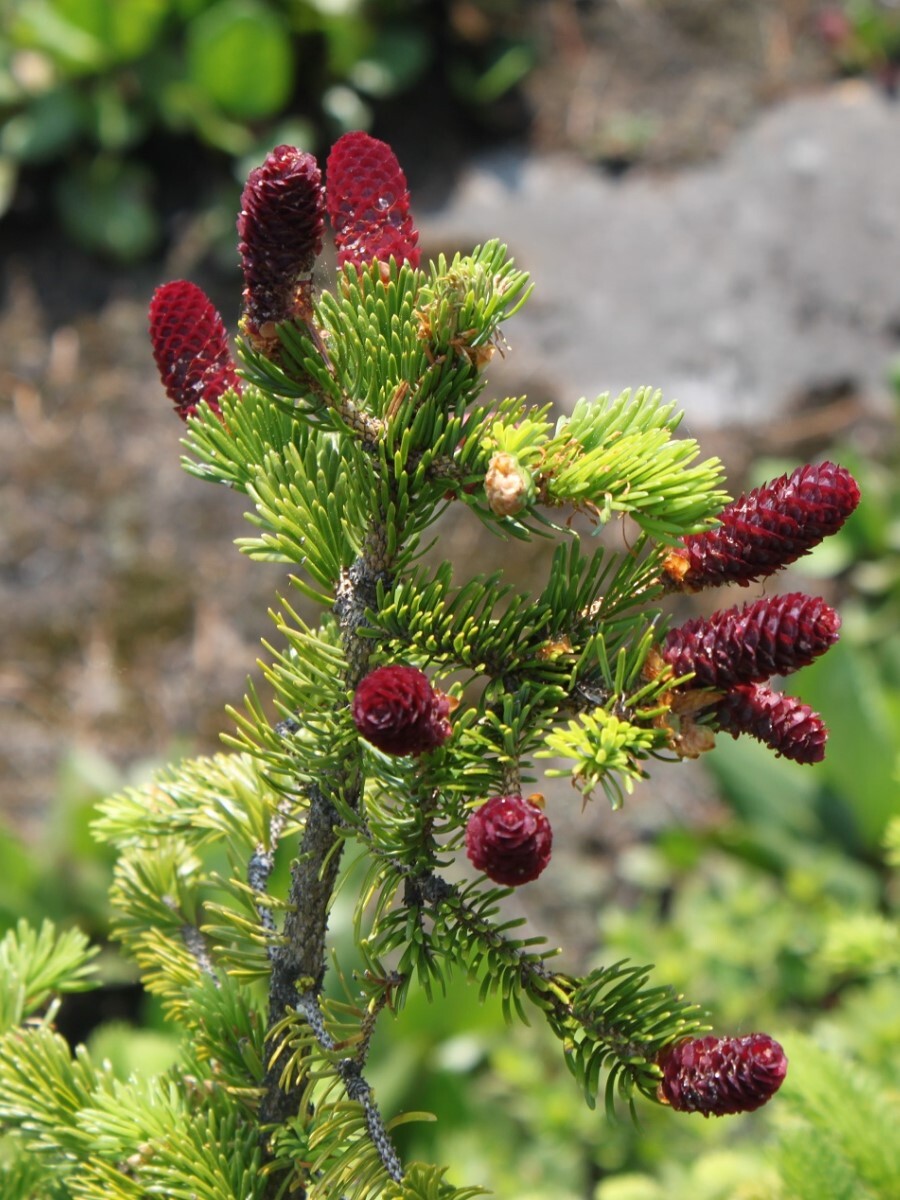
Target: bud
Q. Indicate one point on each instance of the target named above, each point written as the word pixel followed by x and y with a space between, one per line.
pixel 190 347
pixel 280 227
pixel 368 203
pixel 783 723
pixel 767 528
pixel 719 1076
pixel 509 838
pixel 773 636
pixel 508 486
pixel 398 711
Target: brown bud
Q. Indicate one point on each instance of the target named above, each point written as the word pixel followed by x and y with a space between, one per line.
pixel 508 486
pixel 280 227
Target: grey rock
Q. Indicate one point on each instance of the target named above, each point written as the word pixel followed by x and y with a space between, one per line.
pixel 737 287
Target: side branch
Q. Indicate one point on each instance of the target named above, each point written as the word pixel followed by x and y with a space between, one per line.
pixel 196 944
pixel 261 865
pixel 356 1087
pixel 444 904
pixel 611 1016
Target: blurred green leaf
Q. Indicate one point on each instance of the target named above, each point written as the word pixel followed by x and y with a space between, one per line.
pixel 396 59
pixel 852 794
pixel 19 876
pixel 763 789
pixel 106 206
pixel 509 63
pixel 11 90
pixel 861 759
pixel 185 9
pixel 344 34
pixel 185 107
pixel 40 25
pixel 89 34
pixel 47 127
pixel 117 123
pixel 221 72
pixel 240 55
pixel 848 1127
pixel 346 108
pixel 131 1051
pixel 123 31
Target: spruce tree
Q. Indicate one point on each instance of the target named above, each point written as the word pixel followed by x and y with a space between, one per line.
pixel 413 719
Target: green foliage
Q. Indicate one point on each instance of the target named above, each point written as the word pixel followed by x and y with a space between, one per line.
pixel 23 1177
pixel 760 939
pixel 838 1129
pixel 38 966
pixel 423 1182
pixel 791 932
pixel 629 441
pixel 62 873
pixel 239 56
pixel 604 749
pixel 189 832
pixel 83 1121
pixel 619 1013
pixel 869 41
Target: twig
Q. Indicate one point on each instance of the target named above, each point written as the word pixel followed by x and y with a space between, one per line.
pixel 356 1087
pixel 196 944
pixel 261 865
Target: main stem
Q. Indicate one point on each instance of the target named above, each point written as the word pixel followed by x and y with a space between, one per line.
pixel 299 959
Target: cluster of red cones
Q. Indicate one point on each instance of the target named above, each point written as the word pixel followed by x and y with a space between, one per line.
pixel 736 650
pixel 281 231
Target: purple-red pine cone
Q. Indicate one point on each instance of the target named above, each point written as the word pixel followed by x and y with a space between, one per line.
pixel 280 227
pixel 719 1076
pixel 368 203
pixel 767 528
pixel 190 347
pixel 783 723
pixel 398 711
pixel 509 838
pixel 772 636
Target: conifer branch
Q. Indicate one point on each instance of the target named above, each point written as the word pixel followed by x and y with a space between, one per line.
pixel 357 593
pixel 613 1017
pixel 308 361
pixel 358 1089
pixel 300 954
